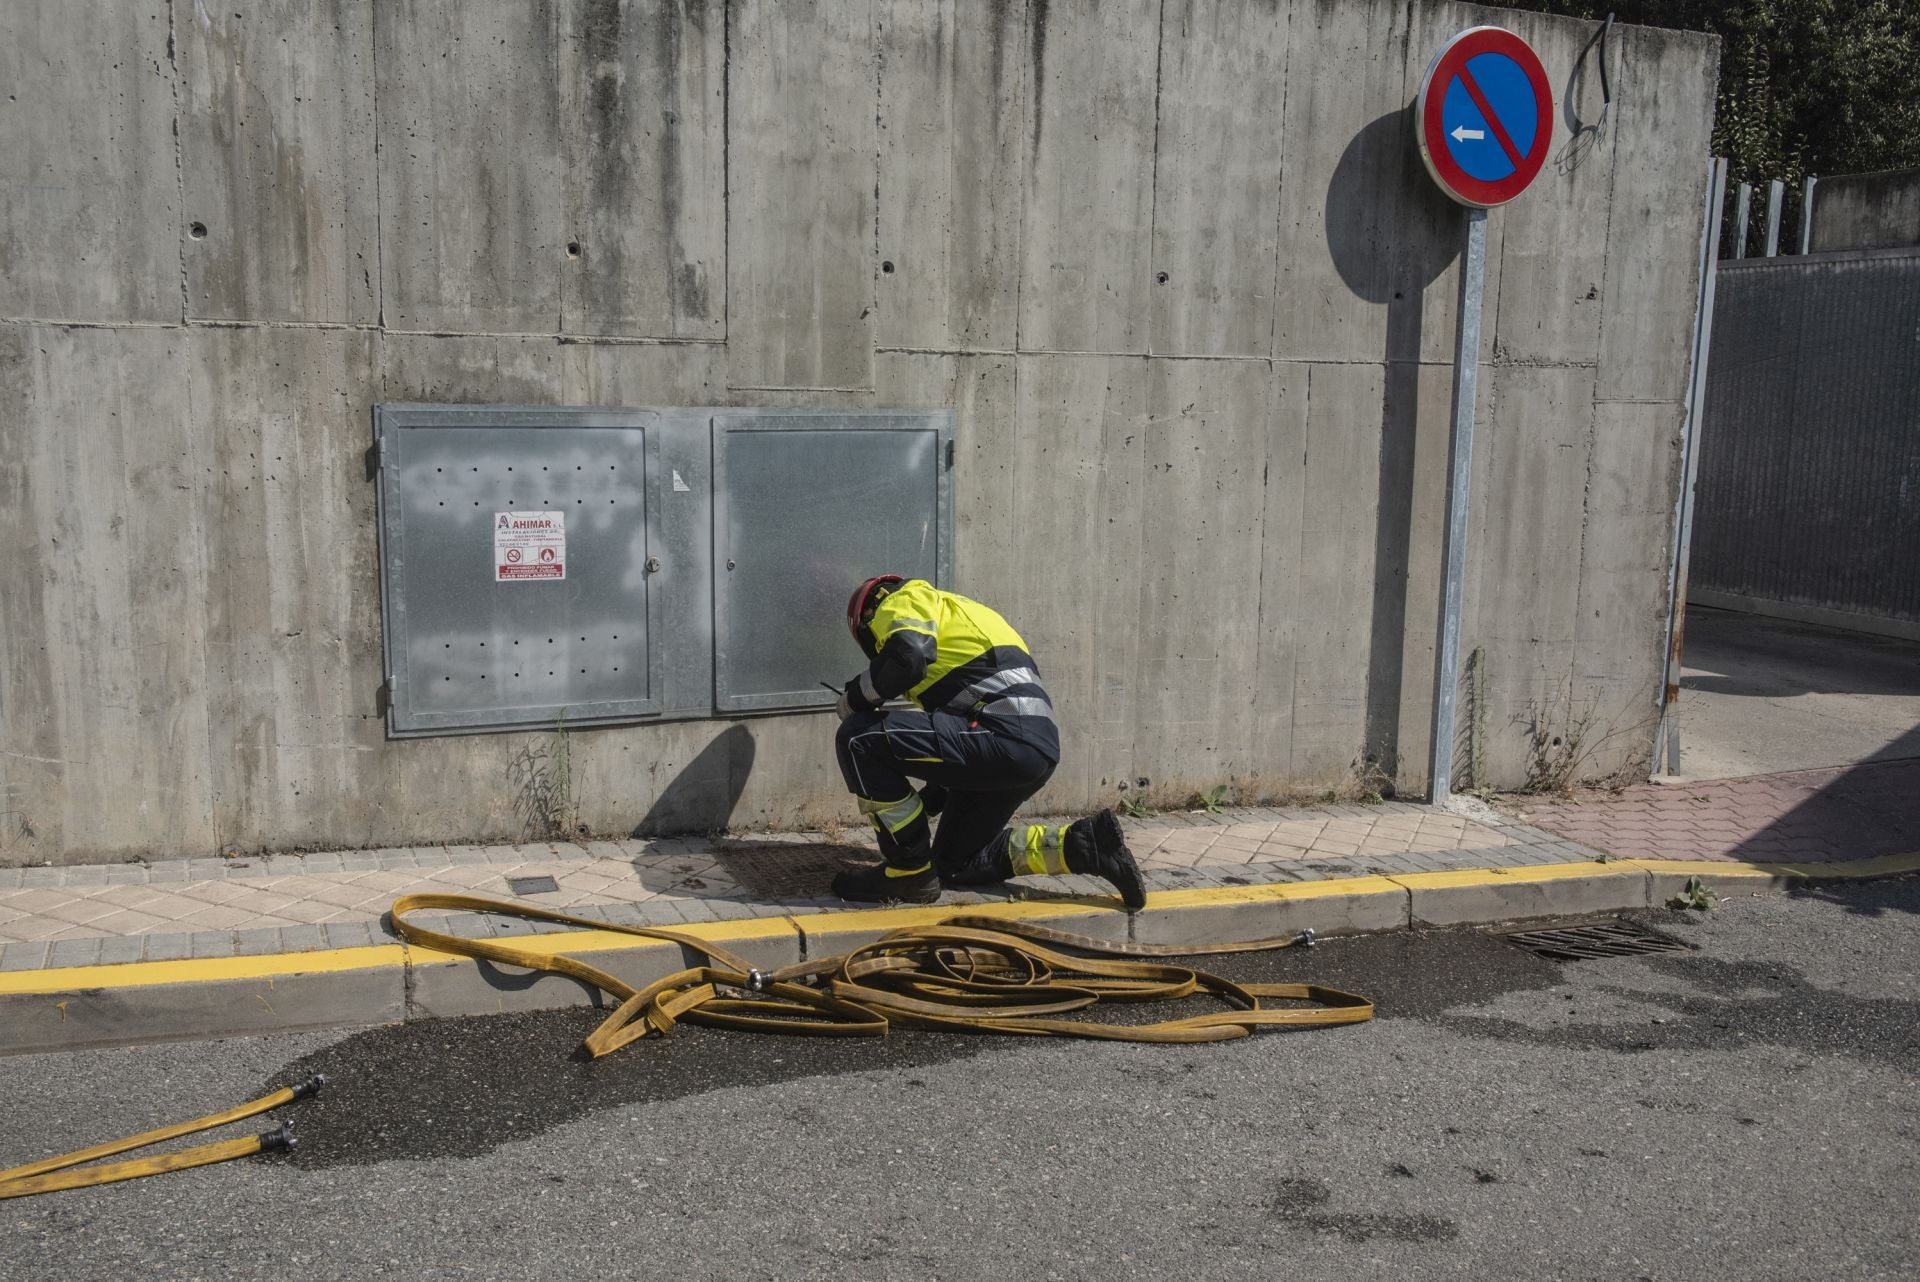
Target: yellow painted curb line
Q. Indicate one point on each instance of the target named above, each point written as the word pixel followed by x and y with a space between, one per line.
pixel 1281 892
pixel 606 941
pixel 1706 870
pixel 270 966
pixel 869 920
pixel 1453 879
pixel 883 919
pixel 1849 870
pixel 201 970
pixel 1883 866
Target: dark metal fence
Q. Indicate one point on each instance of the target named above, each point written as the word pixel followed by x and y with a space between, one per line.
pixel 1809 488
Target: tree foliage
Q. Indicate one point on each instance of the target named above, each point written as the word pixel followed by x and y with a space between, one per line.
pixel 1806 86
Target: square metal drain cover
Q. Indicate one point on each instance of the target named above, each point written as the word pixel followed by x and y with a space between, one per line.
pixel 782 870
pixel 1610 937
pixel 532 885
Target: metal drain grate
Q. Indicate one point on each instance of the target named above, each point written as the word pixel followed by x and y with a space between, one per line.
pixel 532 885
pixel 1613 937
pixel 779 870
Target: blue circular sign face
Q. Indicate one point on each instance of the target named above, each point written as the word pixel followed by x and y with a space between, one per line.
pixel 1485 116
pixel 1488 116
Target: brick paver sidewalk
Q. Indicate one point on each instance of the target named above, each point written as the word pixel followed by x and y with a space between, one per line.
pixel 88 915
pixel 1807 816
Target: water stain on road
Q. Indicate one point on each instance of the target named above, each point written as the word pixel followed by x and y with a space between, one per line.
pixel 1408 974
pixel 1737 1005
pixel 1304 1202
pixel 462 1087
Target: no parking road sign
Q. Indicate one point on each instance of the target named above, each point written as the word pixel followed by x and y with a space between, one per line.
pixel 1484 121
pixel 1485 116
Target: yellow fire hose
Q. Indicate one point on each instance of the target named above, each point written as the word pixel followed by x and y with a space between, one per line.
pixel 52 1174
pixel 967 973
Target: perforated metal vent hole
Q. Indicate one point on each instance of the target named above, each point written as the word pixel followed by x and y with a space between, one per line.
pixel 448 674
pixel 513 501
pixel 1607 937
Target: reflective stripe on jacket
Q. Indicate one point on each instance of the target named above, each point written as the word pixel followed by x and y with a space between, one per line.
pixel 980 667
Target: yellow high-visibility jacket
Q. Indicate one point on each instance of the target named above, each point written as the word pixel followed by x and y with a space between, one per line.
pixel 950 653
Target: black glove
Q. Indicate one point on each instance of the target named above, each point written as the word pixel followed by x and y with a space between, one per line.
pixel 854 699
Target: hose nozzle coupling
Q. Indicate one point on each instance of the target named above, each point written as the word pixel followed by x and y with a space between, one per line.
pixel 758 981
pixel 310 1087
pixel 278 1141
pixel 1305 938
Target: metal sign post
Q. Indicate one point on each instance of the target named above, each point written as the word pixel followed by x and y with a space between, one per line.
pixel 1466 386
pixel 1485 120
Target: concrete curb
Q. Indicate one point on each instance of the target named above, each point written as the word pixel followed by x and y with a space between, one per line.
pixel 440 985
pixel 1508 894
pixel 113 1005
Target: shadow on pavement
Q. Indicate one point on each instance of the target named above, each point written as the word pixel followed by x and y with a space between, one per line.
pixel 1864 812
pixel 1751 656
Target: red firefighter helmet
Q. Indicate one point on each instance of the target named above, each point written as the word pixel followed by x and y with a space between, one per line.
pixel 863 600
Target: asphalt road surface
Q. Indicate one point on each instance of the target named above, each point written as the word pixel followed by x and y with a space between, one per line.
pixel 1744 1110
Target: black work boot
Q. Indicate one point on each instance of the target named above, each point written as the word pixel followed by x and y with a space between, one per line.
pixel 885 884
pixel 1097 846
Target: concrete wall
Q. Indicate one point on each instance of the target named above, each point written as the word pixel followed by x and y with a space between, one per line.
pixel 1867 211
pixel 1173 263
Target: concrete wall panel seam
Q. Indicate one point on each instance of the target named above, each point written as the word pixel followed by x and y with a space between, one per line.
pixel 696 202
pixel 1086 247
pixel 90 216
pixel 1216 186
pixel 802 135
pixel 1279 203
pixel 379 187
pixel 951 116
pixel 179 166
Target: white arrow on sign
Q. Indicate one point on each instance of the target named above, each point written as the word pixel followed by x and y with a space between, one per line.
pixel 1461 133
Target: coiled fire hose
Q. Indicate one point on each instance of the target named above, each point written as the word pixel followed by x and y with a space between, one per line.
pixel 53 1174
pixel 966 973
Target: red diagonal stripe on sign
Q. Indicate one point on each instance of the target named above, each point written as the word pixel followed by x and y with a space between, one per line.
pixel 1493 120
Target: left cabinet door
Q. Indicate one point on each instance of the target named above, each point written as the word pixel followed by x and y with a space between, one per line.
pixel 517 559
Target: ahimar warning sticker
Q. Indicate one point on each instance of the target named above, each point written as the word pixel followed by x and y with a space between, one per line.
pixel 529 545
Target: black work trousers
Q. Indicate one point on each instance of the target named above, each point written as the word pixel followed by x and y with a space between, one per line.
pixel 978 775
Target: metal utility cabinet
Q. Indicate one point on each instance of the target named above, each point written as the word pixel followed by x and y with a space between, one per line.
pixel 606 566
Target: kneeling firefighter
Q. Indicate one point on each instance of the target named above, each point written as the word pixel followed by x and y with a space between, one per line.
pixel 983 739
